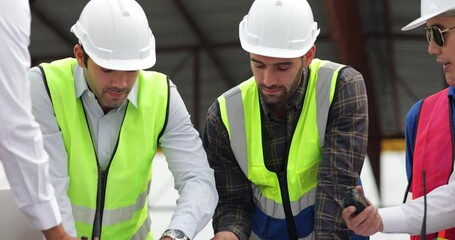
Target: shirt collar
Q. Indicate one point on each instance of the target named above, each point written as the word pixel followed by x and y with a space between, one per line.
pixel 81 85
pixel 451 91
pixel 296 100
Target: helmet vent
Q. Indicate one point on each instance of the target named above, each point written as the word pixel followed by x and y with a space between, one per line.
pixel 123 10
pixel 279 3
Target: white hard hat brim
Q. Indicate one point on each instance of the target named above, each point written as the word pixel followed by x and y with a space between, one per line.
pixel 273 52
pixel 125 65
pixel 430 9
pixel 421 20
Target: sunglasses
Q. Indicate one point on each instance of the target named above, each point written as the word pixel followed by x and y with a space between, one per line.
pixel 434 33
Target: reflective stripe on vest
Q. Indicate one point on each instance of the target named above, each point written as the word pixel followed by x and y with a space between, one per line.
pixel 112 216
pixel 129 173
pixel 240 113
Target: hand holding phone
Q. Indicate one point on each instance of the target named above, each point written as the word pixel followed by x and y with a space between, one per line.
pixel 355 198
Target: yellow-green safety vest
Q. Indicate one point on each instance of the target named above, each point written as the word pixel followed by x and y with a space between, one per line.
pixel 127 179
pixel 240 112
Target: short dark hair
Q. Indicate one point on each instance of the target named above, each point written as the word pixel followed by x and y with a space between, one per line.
pixel 85 56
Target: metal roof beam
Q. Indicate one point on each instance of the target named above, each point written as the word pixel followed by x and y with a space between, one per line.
pixel 204 43
pixel 49 23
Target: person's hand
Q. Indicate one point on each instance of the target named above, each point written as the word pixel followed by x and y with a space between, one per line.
pixel 366 223
pixel 225 235
pixel 57 233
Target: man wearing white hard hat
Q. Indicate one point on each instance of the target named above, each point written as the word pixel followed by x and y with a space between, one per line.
pixel 103 119
pixel 286 143
pixel 429 145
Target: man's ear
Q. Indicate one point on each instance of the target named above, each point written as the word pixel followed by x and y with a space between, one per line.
pixel 79 55
pixel 309 56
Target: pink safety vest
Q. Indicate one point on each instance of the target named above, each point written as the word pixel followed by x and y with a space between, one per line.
pixel 433 151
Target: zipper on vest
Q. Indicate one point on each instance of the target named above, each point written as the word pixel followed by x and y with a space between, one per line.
pixel 290 222
pixel 101 194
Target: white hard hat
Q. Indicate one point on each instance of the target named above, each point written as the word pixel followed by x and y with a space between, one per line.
pixel 278 28
pixel 116 35
pixel 429 9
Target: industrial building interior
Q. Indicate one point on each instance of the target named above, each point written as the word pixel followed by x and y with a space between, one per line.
pixel 198 47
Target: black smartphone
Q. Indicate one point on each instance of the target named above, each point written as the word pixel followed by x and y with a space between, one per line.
pixel 356 199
